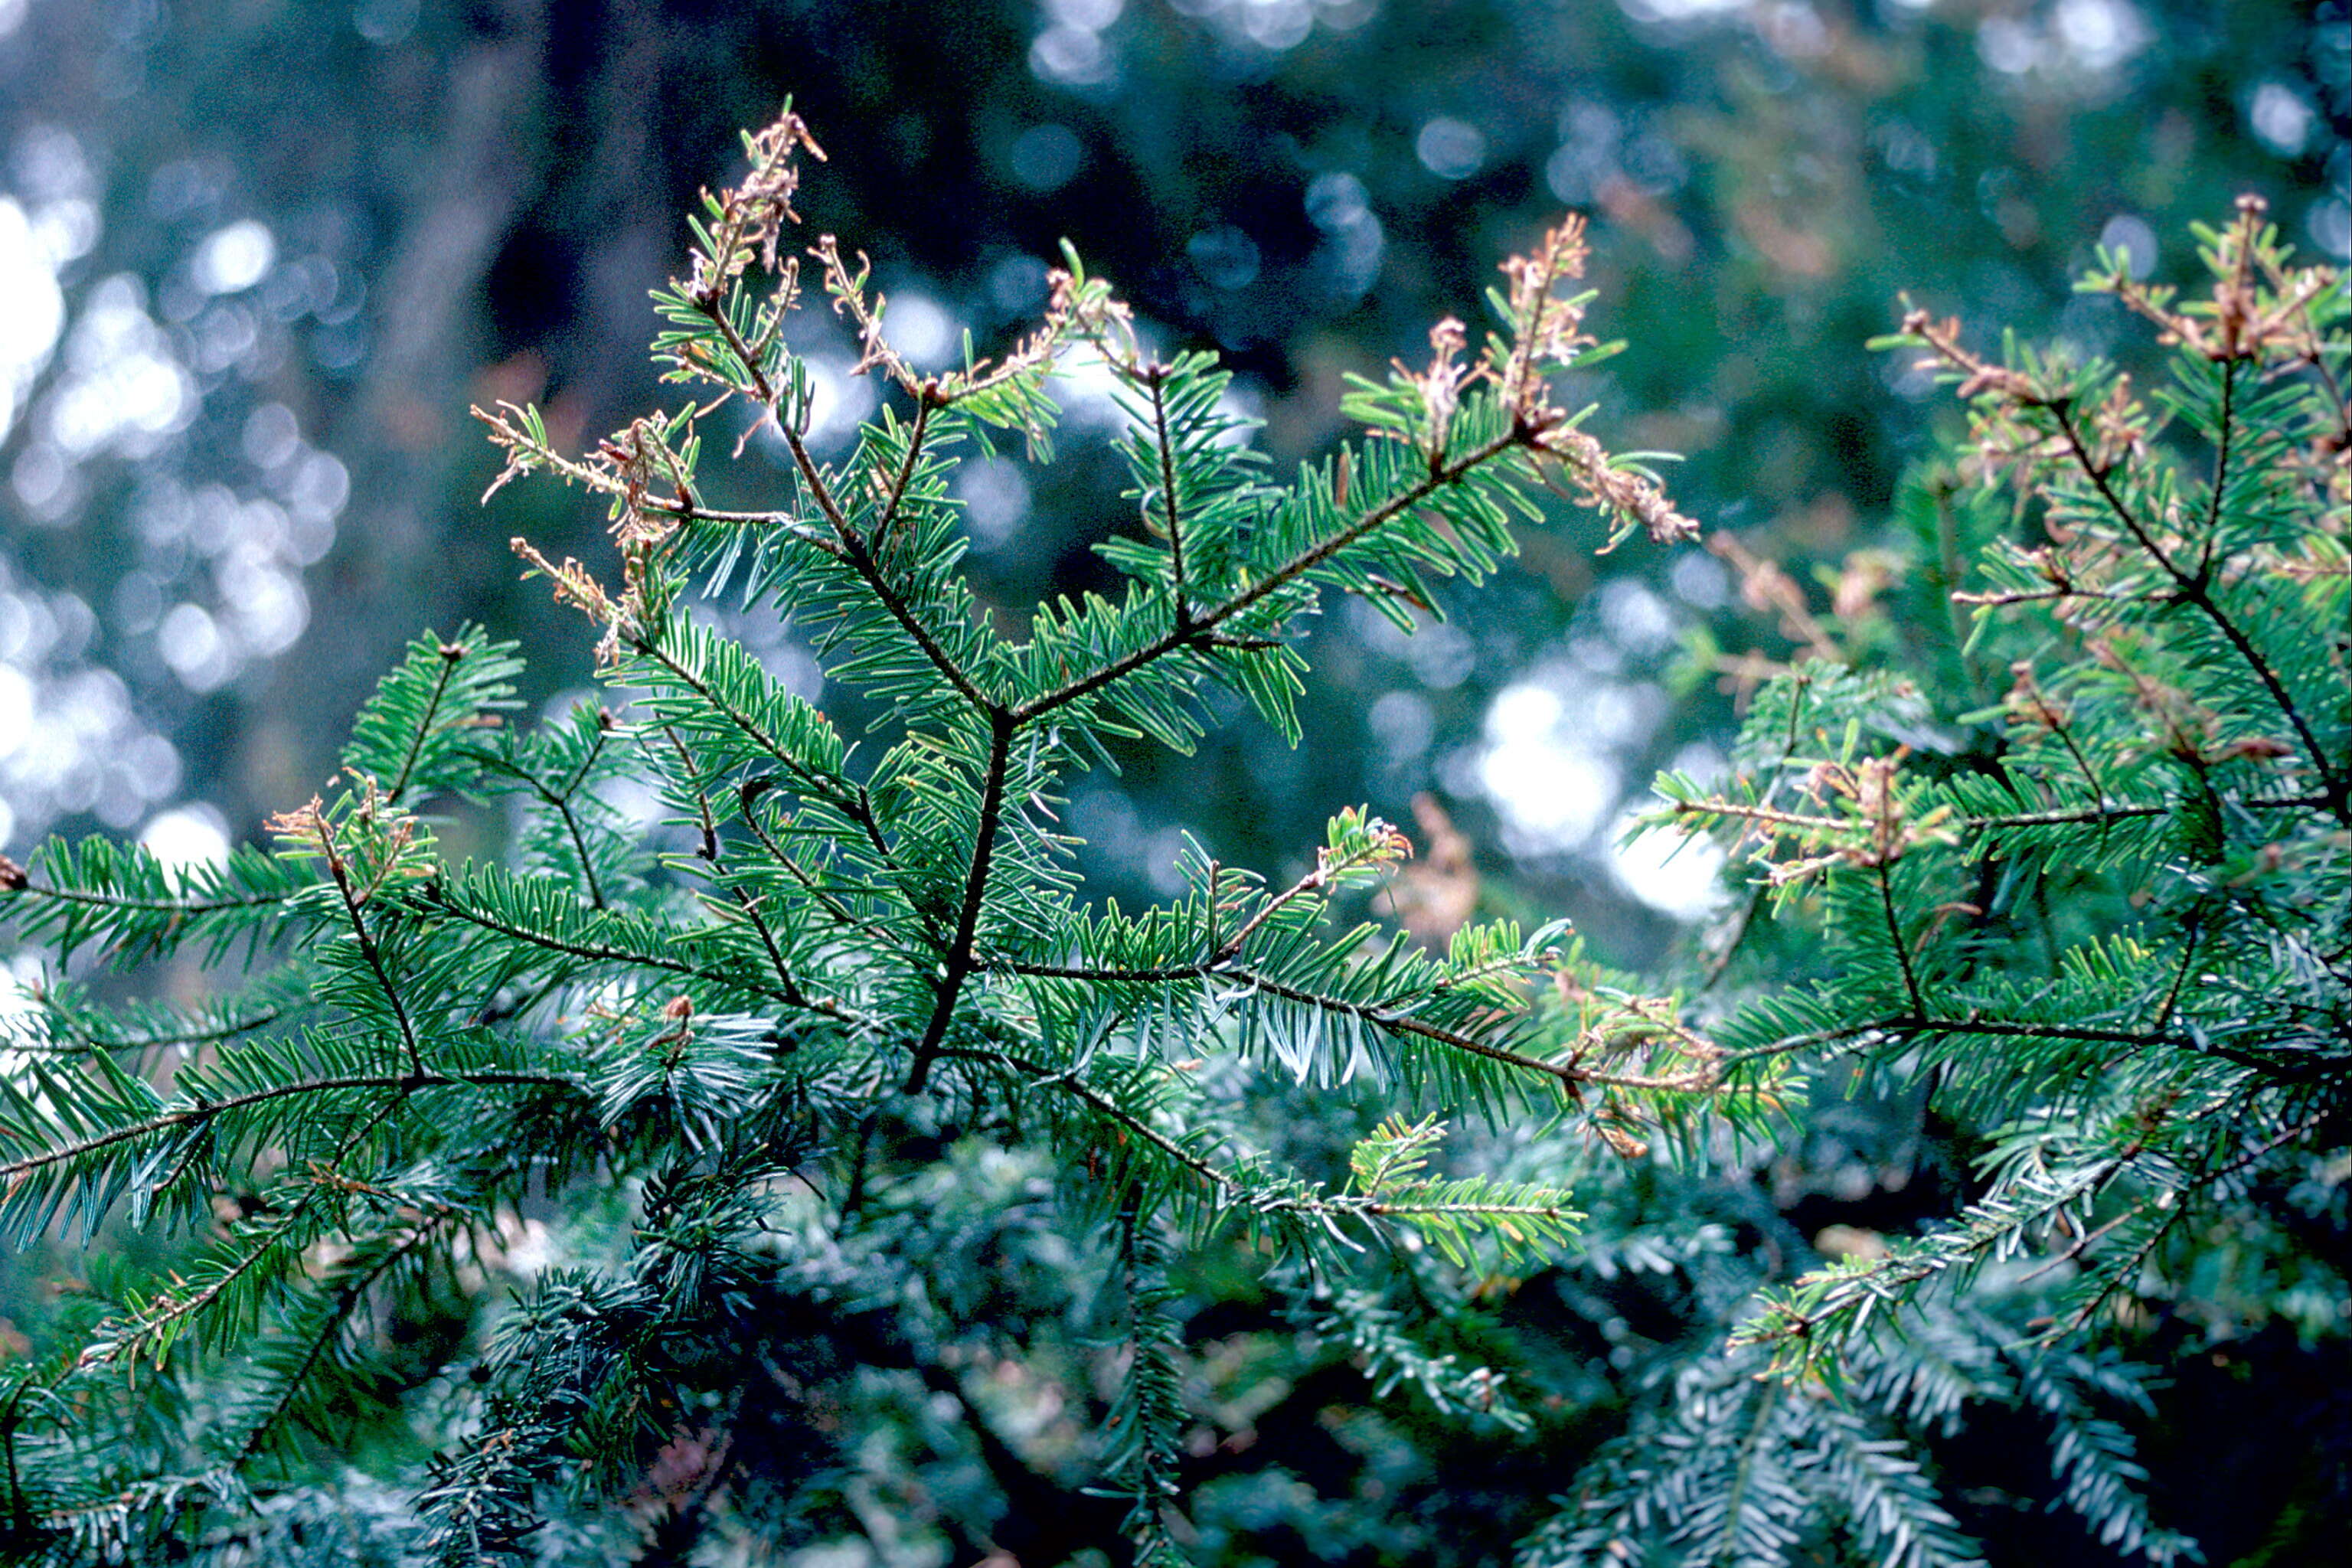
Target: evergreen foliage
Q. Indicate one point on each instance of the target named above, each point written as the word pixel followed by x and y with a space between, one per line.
pixel 838 966
pixel 2107 912
pixel 2081 879
pixel 838 1109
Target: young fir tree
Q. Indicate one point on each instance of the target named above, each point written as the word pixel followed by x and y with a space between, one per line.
pixel 853 1116
pixel 845 979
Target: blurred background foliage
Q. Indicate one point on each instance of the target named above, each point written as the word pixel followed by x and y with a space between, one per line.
pixel 258 256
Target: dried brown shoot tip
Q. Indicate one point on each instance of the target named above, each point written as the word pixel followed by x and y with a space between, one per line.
pixel 2117 427
pixel 2259 306
pixel 850 299
pixel 1547 329
pixel 749 218
pixel 306 823
pixel 1035 352
pixel 1440 385
pixel 507 434
pixel 2030 706
pixel 631 458
pixel 1093 314
pixel 1862 576
pixel 2005 441
pixel 624 465
pixel 1977 374
pixel 1622 1144
pixel 2234 304
pixel 624 455
pixel 386 834
pixel 13 876
pixel 1547 334
pixel 1083 309
pixel 1596 480
pixel 1438 895
pixel 2185 727
pixel 1633 1041
pixel 1072 310
pixel 574 586
pixel 1871 788
pixel 1388 845
pixel 1876 798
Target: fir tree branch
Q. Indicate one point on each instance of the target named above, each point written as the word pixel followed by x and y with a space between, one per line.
pixel 187 907
pixel 959 964
pixel 1882 874
pixel 2195 589
pixel 1569 1075
pixel 1064 1081
pixel 2224 441
pixel 849 802
pixel 1198 628
pixel 202 1112
pixel 2061 816
pixel 840 913
pixel 852 548
pixel 346 1300
pixel 161 1314
pixel 83 1038
pixel 1796 1322
pixel 2175 1212
pixel 560 800
pixel 708 853
pixel 451 653
pixel 441 899
pixel 341 871
pixel 1228 1189
pixel 1746 1453
pixel 1155 378
pixel 882 526
pixel 2188 946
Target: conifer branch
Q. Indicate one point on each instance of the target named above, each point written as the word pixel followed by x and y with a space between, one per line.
pixel 1198 628
pixel 2195 589
pixel 202 1112
pixel 2117 962
pixel 905 476
pixel 1883 878
pixel 442 900
pixel 840 913
pixel 313 818
pixel 451 653
pixel 2104 810
pixel 79 1037
pixel 2225 444
pixel 959 964
pixel 854 548
pixel 350 1295
pixel 806 779
pixel 153 1324
pixel 1231 1190
pixel 93 898
pixel 560 802
pixel 1155 379
pixel 707 851
pixel 1570 1075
